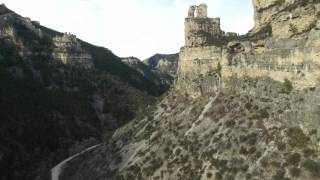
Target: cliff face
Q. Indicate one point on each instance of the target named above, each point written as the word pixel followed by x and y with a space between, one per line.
pixel 148 72
pixel 286 17
pixel 64 48
pixel 68 50
pixel 284 44
pixel 164 65
pixel 287 51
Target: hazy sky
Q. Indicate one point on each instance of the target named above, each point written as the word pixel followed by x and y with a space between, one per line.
pixel 138 28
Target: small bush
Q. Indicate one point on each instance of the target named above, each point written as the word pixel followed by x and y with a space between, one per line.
pixel 297 137
pixel 294 159
pixel 279 175
pixel 230 123
pixel 293 28
pixel 288 87
pixel 308 152
pixel 178 152
pixel 295 172
pixel 248 105
pixel 281 146
pixel 219 69
pixel 219 176
pixel 312 166
pixel 248 176
pixel 261 114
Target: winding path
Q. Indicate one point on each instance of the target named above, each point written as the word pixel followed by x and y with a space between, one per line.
pixel 56 171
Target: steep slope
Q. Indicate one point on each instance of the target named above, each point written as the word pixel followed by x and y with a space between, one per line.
pixel 105 60
pixel 68 49
pixel 146 72
pixel 165 65
pixel 243 107
pixel 58 95
pixel 217 136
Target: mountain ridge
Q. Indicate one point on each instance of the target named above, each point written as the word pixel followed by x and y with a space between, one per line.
pixel 59 95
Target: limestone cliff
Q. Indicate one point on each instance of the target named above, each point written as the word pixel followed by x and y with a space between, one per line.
pixel 286 17
pixel 68 50
pixel 147 72
pixel 284 44
pixel 165 65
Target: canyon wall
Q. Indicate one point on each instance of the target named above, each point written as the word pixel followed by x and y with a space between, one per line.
pixel 289 48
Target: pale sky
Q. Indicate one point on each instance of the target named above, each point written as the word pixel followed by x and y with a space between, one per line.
pixel 137 28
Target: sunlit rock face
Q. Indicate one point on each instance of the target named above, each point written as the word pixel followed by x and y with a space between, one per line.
pixel 284 44
pixel 286 17
pixel 68 50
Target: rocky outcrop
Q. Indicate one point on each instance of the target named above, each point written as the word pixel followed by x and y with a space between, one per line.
pixel 203 31
pixel 288 49
pixel 164 65
pixel 286 17
pixel 64 48
pixel 68 50
pixel 148 72
pixel 290 57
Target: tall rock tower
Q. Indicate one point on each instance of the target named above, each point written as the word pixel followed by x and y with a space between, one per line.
pixel 199 29
pixel 199 58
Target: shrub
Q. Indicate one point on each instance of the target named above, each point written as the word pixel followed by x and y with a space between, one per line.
pixel 281 146
pixel 312 166
pixel 178 152
pixel 308 152
pixel 261 114
pixel 248 105
pixel 294 159
pixel 279 175
pixel 288 87
pixel 297 137
pixel 230 123
pixel 295 172
pixel 219 176
pixel 209 175
pixel 293 28
pixel 219 69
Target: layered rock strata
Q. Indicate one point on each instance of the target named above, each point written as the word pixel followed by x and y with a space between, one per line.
pixel 289 48
pixel 68 50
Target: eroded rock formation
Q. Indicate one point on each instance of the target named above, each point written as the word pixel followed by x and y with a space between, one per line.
pixel 68 50
pixel 286 17
pixel 284 44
